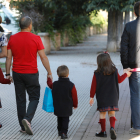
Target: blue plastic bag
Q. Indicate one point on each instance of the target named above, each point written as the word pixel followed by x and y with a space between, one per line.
pixel 48 101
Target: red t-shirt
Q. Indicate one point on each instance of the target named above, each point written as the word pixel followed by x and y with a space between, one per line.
pixel 24 47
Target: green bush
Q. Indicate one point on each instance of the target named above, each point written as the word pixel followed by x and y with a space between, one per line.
pixel 98 20
pixel 76 29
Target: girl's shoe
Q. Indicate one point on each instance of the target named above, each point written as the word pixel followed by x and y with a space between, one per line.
pixel 101 134
pixel 113 133
pixel 0 125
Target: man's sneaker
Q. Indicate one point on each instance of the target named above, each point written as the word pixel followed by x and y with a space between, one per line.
pixel 0 125
pixel 101 134
pixel 134 131
pixel 27 127
pixel 64 136
pixel 22 131
pixel 113 133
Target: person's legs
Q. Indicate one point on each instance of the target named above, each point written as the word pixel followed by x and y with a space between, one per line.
pixel 102 121
pixel 0 125
pixel 33 90
pixel 112 119
pixel 59 125
pixel 65 125
pixel 20 97
pixel 0 107
pixel 64 129
pixel 134 83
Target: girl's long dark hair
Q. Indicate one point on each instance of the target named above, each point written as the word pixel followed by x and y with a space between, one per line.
pixel 105 64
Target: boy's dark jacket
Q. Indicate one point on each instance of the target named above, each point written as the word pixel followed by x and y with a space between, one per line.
pixel 63 100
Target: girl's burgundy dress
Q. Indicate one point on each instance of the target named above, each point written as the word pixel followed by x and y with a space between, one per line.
pixel 3 81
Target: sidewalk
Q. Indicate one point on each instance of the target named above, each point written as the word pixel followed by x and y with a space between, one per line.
pixel 90 124
pixel 122 124
pixel 81 60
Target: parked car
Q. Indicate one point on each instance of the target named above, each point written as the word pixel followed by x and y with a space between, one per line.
pixel 5 18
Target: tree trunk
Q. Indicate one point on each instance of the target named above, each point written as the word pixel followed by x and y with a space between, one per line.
pixel 127 16
pixel 111 41
pixel 133 16
pixel 119 21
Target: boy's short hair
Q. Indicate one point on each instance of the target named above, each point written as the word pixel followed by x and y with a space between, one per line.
pixel 62 71
pixel 137 8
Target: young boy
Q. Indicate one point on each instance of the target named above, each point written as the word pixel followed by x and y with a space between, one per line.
pixel 64 99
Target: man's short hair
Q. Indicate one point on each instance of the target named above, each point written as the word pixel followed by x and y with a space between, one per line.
pixel 0 19
pixel 62 71
pixel 25 22
pixel 137 8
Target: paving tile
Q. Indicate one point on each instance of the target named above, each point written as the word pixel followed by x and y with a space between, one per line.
pixel 123 115
pixel 81 60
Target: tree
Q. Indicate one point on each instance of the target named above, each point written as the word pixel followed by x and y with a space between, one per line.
pixel 56 12
pixel 60 15
pixel 115 10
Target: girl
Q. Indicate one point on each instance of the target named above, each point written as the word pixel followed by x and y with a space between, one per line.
pixel 105 85
pixel 3 81
pixel 3 53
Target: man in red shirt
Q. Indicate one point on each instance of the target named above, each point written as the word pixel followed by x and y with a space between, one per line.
pixel 23 47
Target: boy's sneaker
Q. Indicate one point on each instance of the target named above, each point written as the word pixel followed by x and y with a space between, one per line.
pixel 101 134
pixel 113 133
pixel 64 136
pixel 0 125
pixel 134 131
pixel 27 127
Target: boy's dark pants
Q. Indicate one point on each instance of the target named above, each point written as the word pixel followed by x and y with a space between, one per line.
pixel 63 124
pixel 30 83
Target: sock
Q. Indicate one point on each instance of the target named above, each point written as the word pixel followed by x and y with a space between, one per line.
pixel 103 124
pixel 112 121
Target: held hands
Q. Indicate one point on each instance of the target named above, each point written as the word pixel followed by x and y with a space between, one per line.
pixel 10 78
pixel 50 76
pixel 74 108
pixel 91 101
pixel 128 71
